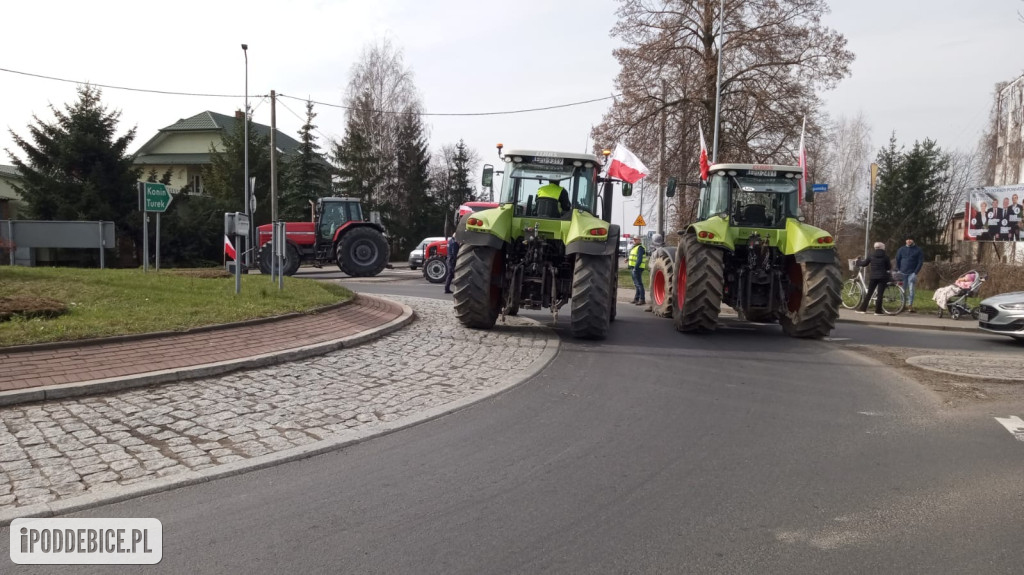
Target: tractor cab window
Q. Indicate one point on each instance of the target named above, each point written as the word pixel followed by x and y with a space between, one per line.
pixel 717 196
pixel 334 214
pixel 521 182
pixel 765 202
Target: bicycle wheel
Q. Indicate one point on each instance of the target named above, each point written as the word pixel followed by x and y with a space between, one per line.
pixel 852 293
pixel 893 299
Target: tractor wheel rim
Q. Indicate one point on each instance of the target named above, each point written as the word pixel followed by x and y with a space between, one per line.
pixel 364 252
pixel 658 287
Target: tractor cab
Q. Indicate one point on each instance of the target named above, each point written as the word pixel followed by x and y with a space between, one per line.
pixel 332 214
pixel 548 186
pixel 749 195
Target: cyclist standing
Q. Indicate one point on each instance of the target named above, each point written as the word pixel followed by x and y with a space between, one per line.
pixel 879 266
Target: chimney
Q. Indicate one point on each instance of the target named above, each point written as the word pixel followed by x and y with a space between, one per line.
pixel 239 115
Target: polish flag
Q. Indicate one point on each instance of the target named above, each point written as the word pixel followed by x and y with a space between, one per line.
pixel 626 166
pixel 228 248
pixel 704 166
pixel 802 162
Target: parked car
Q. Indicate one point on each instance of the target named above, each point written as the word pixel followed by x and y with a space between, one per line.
pixel 623 248
pixel 1003 314
pixel 416 255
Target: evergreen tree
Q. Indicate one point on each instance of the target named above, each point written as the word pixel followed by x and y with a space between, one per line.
pixel 306 177
pixel 358 165
pixel 77 169
pixel 416 217
pixel 908 193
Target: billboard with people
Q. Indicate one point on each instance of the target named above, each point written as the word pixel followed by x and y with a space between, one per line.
pixel 995 214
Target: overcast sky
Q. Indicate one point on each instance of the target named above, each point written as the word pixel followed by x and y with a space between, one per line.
pixel 923 68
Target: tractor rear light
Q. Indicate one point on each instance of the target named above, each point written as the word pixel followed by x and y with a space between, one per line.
pixel 475 222
pixel 598 232
pixel 702 235
pixel 711 235
pixel 825 240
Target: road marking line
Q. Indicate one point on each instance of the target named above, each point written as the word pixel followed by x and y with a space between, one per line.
pixel 1014 425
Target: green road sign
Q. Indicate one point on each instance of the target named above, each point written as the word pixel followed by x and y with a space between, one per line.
pixel 156 197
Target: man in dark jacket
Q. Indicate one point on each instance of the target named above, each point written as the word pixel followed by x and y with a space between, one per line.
pixel 878 277
pixel 453 256
pixel 909 260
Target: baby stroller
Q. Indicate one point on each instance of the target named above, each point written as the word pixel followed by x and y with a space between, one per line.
pixel 953 298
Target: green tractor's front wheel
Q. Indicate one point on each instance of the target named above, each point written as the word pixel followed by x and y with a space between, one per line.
pixel 813 300
pixel 592 296
pixel 479 274
pixel 699 286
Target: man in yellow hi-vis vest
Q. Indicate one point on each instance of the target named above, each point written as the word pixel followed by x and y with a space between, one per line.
pixel 552 200
pixel 638 263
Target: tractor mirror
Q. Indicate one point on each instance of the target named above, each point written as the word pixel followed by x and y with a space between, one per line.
pixel 671 189
pixel 627 189
pixel 488 178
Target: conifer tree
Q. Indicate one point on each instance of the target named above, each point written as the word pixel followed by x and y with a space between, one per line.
pixel 77 168
pixel 306 177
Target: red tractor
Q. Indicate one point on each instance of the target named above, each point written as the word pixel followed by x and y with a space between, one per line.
pixel 339 234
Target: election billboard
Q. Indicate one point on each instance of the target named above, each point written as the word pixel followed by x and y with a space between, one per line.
pixel 995 214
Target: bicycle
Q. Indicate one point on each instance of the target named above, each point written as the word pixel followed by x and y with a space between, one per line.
pixel 893 296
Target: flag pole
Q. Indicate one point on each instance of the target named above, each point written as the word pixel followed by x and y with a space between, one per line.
pixel 718 79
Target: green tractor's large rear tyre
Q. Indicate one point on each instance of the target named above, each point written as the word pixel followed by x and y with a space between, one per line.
pixel 362 252
pixel 478 280
pixel 614 289
pixel 814 299
pixel 592 296
pixel 699 285
pixel 662 284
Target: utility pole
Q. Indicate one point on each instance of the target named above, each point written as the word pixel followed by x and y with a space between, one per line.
pixel 276 266
pixel 871 208
pixel 246 241
pixel 661 162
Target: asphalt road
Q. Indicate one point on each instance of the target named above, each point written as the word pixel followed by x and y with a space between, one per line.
pixel 651 452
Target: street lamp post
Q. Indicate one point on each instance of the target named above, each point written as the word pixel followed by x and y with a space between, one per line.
pixel 245 136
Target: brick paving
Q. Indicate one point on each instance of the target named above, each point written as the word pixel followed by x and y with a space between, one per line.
pixel 37 368
pixel 58 449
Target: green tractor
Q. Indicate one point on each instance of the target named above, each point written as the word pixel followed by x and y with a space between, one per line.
pixel 750 250
pixel 537 252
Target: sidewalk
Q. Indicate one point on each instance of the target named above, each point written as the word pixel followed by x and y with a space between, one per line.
pixel 920 320
pixel 51 371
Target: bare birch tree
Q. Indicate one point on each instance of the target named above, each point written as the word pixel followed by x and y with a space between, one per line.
pixel 843 164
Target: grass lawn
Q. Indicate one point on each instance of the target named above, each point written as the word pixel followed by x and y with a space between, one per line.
pixel 118 301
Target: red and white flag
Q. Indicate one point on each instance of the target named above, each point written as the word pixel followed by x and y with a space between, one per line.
pixel 626 166
pixel 801 185
pixel 704 165
pixel 228 248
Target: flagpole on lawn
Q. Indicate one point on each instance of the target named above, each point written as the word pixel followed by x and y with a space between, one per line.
pixel 718 88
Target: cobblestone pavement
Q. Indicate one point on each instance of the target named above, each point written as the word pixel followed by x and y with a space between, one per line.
pixel 971 365
pixel 88 446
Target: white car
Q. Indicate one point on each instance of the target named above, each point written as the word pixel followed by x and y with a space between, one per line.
pixel 1003 314
pixel 416 255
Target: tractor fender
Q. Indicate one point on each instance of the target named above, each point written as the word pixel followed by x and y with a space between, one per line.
pixel 802 237
pixel 821 256
pixel 351 225
pixel 712 231
pixel 607 247
pixel 474 238
pixel 494 224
